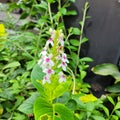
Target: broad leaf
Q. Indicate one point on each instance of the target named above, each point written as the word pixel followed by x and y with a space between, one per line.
pixel 44 110
pixel 107 69
pixel 61 112
pixel 37 75
pixel 61 88
pixel 27 106
pixel 114 88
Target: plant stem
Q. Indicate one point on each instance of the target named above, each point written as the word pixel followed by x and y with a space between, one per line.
pixel 50 13
pixel 81 35
pixel 74 82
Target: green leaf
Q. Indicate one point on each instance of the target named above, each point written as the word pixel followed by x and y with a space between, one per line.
pixel 76 31
pixel 72 104
pixel 72 0
pixel 61 88
pixel 107 69
pixel 63 11
pixel 24 15
pixel 117 113
pixel 12 65
pixel 42 5
pixel 86 59
pixel 71 12
pixel 36 75
pixel 114 88
pixel 105 110
pixel 117 106
pixel 95 117
pixel 27 106
pixel 74 42
pixel 19 116
pixel 114 117
pixel 84 39
pixel 111 100
pixel 1 109
pixel 61 112
pixel 51 1
pixel 42 108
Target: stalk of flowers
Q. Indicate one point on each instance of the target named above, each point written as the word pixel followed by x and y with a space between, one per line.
pixel 53 60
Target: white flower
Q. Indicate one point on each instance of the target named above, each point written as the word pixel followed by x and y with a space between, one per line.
pixel 63 65
pixel 62 77
pixel 61 41
pixel 43 55
pixel 64 58
pixel 47 62
pixel 48 72
pixel 50 41
pixel 46 79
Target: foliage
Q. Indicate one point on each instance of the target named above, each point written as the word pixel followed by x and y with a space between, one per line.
pixel 24 93
pixel 112 70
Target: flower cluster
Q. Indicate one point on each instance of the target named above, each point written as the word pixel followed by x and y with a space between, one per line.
pixel 53 60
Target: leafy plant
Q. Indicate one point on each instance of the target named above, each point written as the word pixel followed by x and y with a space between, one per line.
pixel 33 58
pixel 112 70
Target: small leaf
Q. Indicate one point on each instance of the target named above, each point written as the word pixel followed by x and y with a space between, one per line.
pixel 105 110
pixel 117 106
pixel 114 117
pixel 86 59
pixel 117 113
pixel 76 31
pixel 84 39
pixel 63 11
pixel 111 100
pixel 12 65
pixel 51 1
pixel 71 12
pixel 72 0
pixel 95 117
pixel 74 42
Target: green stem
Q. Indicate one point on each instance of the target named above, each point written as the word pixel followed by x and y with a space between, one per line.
pixel 50 13
pixel 74 82
pixel 81 35
pixel 38 41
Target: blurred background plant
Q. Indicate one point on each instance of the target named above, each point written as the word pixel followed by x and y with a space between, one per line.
pixel 27 23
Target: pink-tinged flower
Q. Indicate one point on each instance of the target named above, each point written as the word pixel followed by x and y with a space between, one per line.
pixel 47 62
pixel 46 79
pixel 61 41
pixel 62 77
pixel 63 65
pixel 48 72
pixel 64 58
pixel 50 41
pixel 43 54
